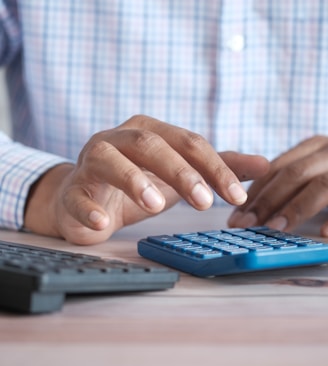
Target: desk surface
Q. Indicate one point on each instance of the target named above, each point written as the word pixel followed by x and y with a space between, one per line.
pixel 254 319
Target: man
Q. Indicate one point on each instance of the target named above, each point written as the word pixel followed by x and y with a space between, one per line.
pixel 247 76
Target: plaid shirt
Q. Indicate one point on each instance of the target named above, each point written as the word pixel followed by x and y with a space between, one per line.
pixel 249 75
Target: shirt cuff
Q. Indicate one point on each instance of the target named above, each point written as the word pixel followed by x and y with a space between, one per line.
pixel 20 167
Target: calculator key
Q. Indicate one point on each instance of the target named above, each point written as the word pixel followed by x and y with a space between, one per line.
pixel 190 248
pixel 234 230
pixel 222 245
pixel 206 241
pixel 163 239
pixel 210 232
pixel 221 236
pixel 285 246
pixel 233 241
pixel 262 248
pixel 209 254
pixel 236 250
pixel 311 243
pixel 187 236
pixel 250 244
pixel 268 240
pixel 182 244
pixel 259 229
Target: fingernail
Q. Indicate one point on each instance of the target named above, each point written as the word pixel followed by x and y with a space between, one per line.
pixel 151 198
pixel 201 195
pixel 250 219
pixel 278 223
pixel 237 193
pixel 97 217
pixel 235 218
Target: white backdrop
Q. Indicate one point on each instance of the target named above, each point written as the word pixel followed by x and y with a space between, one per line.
pixel 4 115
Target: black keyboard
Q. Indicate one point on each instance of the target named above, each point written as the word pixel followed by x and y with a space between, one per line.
pixel 36 280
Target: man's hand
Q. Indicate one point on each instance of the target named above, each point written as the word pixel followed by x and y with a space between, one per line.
pixel 131 172
pixel 294 190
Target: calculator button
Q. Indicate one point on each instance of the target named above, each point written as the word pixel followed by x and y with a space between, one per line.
pixel 207 254
pixel 250 245
pixel 234 230
pixel 210 232
pixel 187 236
pixel 261 248
pixel 311 244
pixel 221 236
pixel 163 239
pixel 222 244
pixel 234 250
pixel 188 249
pixel 206 241
pixel 182 244
pixel 287 246
pixel 268 240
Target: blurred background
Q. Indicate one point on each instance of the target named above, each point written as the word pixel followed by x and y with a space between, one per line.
pixel 4 114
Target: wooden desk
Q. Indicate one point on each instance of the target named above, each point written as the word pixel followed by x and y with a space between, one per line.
pixel 255 319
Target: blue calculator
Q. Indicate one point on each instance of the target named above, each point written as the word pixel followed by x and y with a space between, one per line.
pixel 230 251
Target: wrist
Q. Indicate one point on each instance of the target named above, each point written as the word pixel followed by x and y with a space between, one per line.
pixel 43 199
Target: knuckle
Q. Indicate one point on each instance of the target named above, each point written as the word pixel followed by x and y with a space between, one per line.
pixel 321 182
pixel 99 147
pixel 181 173
pixel 136 119
pixel 145 141
pixel 132 177
pixel 94 150
pixel 193 142
pixel 139 117
pixel 316 142
pixel 295 171
pixel 221 173
pixel 319 139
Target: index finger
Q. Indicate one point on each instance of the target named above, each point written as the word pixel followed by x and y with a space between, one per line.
pixel 199 154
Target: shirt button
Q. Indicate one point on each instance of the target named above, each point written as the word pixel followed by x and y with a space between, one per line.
pixel 236 43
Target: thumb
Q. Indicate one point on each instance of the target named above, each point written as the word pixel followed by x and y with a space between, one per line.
pixel 84 209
